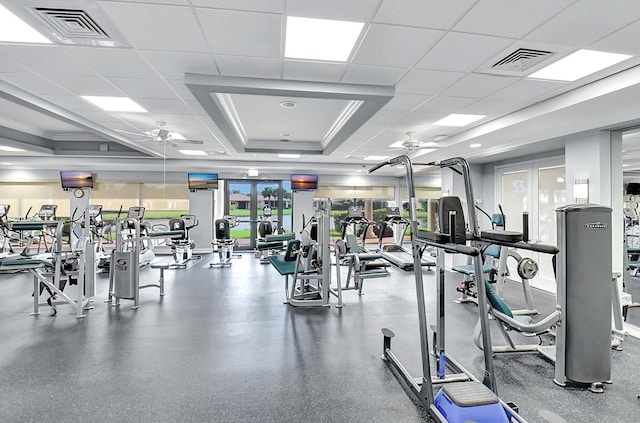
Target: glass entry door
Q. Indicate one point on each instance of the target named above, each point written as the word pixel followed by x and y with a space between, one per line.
pixel 247 199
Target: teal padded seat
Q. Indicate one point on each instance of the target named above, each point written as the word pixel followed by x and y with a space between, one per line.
pixel 286 264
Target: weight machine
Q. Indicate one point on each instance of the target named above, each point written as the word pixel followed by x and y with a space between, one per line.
pixel 5 232
pixel 132 247
pixel 308 262
pixel 223 243
pixel 182 248
pixel 496 267
pixel 462 396
pixel 62 268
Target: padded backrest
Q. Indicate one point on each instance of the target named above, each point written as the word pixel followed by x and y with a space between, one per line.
pixel 492 250
pixel 495 300
pixel 265 228
pixel 341 248
pixel 292 247
pixel 497 219
pixel 176 225
pixel 352 244
pixel 223 231
pixel 449 204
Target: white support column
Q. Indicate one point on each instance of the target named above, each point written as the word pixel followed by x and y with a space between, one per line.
pixel 597 156
pixel 302 206
pixel 201 205
pixel 79 199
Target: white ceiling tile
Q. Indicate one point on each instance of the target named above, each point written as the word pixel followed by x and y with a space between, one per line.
pixel 173 65
pixel 242 33
pixel 375 75
pixel 9 66
pixel 100 116
pixel 509 18
pixel 462 52
pixel 257 67
pixel 389 45
pixel 478 85
pixel 174 2
pixel 272 6
pixel 387 117
pixel 69 102
pixel 33 83
pixel 586 21
pixel 489 107
pixel 422 13
pixel 622 41
pixel 406 102
pixel 419 81
pixel 143 88
pixel 162 106
pixel 173 28
pixel 44 59
pixel 526 89
pixel 84 85
pixel 421 118
pixel 180 89
pixel 352 10
pixel 113 62
pixel 313 71
pixel 446 105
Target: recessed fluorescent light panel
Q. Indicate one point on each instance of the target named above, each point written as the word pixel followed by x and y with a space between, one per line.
pixel 320 39
pixel 578 65
pixel 475 145
pixel 289 156
pixel 193 152
pixel 115 104
pixel 458 120
pixel 375 158
pixel 15 30
pixel 12 149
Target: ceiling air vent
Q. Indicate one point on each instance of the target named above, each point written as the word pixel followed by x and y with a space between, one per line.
pixel 521 60
pixel 79 26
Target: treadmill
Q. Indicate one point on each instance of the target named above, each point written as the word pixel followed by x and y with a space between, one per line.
pixel 394 225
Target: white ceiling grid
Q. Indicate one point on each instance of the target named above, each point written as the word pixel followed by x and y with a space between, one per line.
pixel 437 55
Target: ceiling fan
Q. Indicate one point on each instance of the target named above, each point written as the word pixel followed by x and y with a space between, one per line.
pixel 161 135
pixel 411 144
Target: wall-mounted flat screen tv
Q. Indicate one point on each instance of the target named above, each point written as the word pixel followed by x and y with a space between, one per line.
pixel 303 182
pixel 76 179
pixel 633 188
pixel 205 181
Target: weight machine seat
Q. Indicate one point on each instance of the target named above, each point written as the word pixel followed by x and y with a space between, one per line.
pixel 286 264
pixel 273 242
pixel 501 236
pixel 271 245
pixel 469 394
pixel 469 269
pixel 167 234
pixel 13 264
pixel 501 311
pixel 279 237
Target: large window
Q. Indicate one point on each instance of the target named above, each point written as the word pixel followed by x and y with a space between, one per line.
pixel 161 200
pixel 537 188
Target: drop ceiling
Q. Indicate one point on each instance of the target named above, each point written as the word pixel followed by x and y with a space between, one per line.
pixel 415 63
